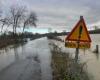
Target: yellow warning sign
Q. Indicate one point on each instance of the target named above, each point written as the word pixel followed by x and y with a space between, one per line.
pixel 75 45
pixel 79 36
pixel 79 33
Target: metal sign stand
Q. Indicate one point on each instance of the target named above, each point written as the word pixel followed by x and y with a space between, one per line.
pixel 78 42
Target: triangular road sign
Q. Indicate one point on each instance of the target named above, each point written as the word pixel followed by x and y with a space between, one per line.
pixel 79 32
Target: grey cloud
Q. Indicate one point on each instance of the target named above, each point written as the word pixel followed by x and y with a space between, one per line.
pixel 63 13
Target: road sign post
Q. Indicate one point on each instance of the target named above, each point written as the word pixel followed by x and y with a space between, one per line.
pixel 78 42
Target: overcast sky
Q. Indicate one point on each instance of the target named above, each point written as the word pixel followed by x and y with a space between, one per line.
pixel 61 14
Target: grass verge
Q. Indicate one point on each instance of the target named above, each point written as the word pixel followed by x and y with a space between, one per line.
pixel 64 67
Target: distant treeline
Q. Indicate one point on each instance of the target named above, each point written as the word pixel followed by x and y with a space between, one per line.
pixel 97 31
pixel 37 35
pixel 9 38
pixel 49 35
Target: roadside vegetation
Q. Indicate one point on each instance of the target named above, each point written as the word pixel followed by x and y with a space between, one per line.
pixel 13 23
pixel 8 39
pixel 64 66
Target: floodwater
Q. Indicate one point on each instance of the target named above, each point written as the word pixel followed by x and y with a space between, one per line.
pixel 91 59
pixel 30 61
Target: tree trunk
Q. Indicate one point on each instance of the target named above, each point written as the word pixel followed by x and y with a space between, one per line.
pixel 2 27
pixel 23 28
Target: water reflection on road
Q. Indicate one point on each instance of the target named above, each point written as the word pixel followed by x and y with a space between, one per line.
pixel 31 61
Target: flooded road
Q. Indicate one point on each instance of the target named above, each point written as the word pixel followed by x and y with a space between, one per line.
pixel 30 61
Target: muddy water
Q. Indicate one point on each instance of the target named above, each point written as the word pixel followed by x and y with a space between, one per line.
pixel 33 58
pixel 91 59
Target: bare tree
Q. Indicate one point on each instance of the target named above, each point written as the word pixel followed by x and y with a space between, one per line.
pixel 17 13
pixel 30 20
pixel 5 21
pixel 8 23
pixel 18 17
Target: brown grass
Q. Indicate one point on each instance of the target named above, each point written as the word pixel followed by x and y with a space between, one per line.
pixel 7 42
pixel 65 68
